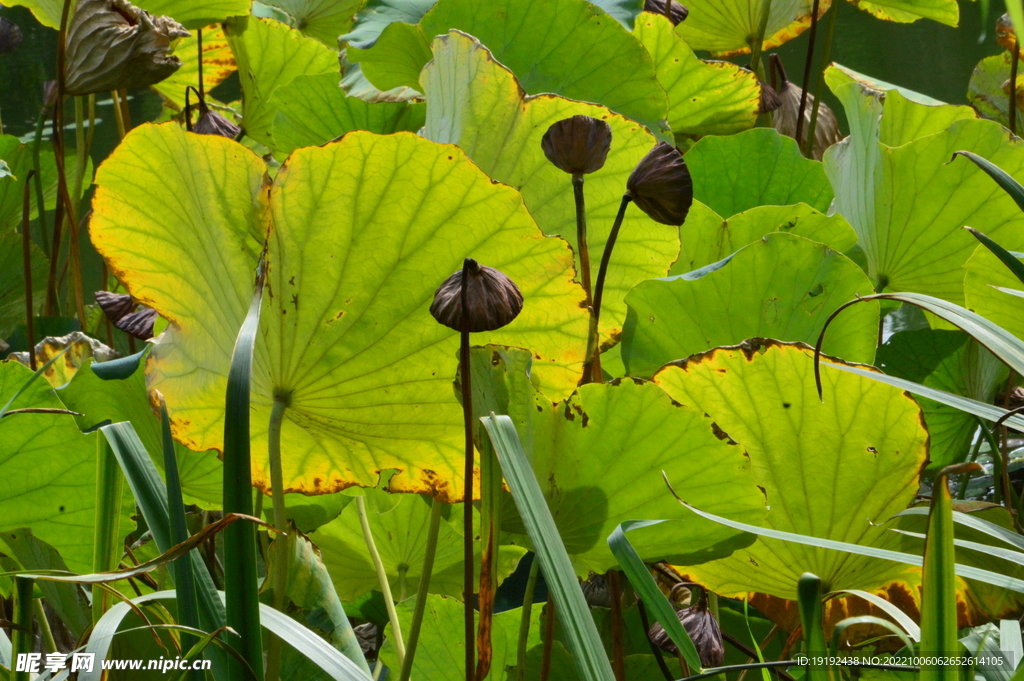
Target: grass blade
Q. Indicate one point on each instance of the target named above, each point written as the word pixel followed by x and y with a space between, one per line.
pixel 151 496
pixel 938 580
pixel 647 589
pixel 22 640
pixel 1002 178
pixel 582 637
pixel 106 536
pixel 868 619
pixel 900 617
pixel 1007 258
pixel 241 579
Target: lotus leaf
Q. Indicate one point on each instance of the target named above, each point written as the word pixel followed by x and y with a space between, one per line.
pixel 324 20
pixel 704 98
pixel 985 91
pixel 582 53
pixel 950 361
pixel 907 11
pixel 984 272
pixel 218 64
pixel 346 338
pixel 781 286
pixel 829 468
pixel 707 238
pixel 270 54
pixel 908 203
pixel 48 471
pixel 728 27
pixel 399 524
pixel 478 105
pixel 313 110
pixel 773 173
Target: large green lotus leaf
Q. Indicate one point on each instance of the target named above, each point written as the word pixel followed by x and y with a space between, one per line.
pixel 758 167
pixel 781 286
pixel 376 15
pixel 364 230
pixel 599 457
pixel 984 272
pixel 194 14
pixel 324 20
pixel 115 399
pixel 270 54
pixel 829 468
pixel 313 110
pixel 707 238
pixel 12 280
pixel 728 27
pixel 950 361
pixel 908 203
pixel 48 471
pixel 907 11
pixel 704 98
pixel 396 59
pixel 985 90
pixel 581 53
pixel 904 120
pixel 218 64
pixel 478 105
pixel 441 655
pixel 399 523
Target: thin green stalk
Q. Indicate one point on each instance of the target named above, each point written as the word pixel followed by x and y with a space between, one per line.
pixel 606 257
pixel 106 553
pixel 971 458
pixel 524 620
pixel 1012 111
pixel 998 491
pixel 281 523
pixel 382 576
pixel 423 590
pixel 757 46
pixel 37 166
pixel 26 258
pixel 826 56
pixel 81 153
pixel 118 115
pixel 44 626
pixel 21 636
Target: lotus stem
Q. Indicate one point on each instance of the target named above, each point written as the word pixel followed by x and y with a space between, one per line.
pixel 422 591
pixel 52 306
pixel 1012 110
pixel 1004 451
pixel 962 491
pixel 655 650
pixel 592 362
pixel 467 506
pixel 826 55
pixel 524 620
pixel 37 166
pixel 549 638
pixel 618 654
pixel 757 47
pixel 44 626
pixel 382 577
pixel 118 115
pixel 26 257
pixel 997 463
pixel 281 523
pixel 21 636
pixel 606 257
pixel 812 34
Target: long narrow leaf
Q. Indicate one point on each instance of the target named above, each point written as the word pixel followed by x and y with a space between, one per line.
pixel 581 633
pixel 151 496
pixel 965 571
pixel 938 580
pixel 107 539
pixel 241 577
pixel 647 589
pixel 900 617
pixel 989 550
pixel 1010 640
pixel 1002 178
pixel 1007 258
pixel 184 581
pixel 983 410
pixel 845 624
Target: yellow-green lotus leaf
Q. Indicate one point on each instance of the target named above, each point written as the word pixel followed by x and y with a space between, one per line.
pixel 476 103
pixel 728 27
pixel 218 64
pixel 361 232
pixel 829 468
